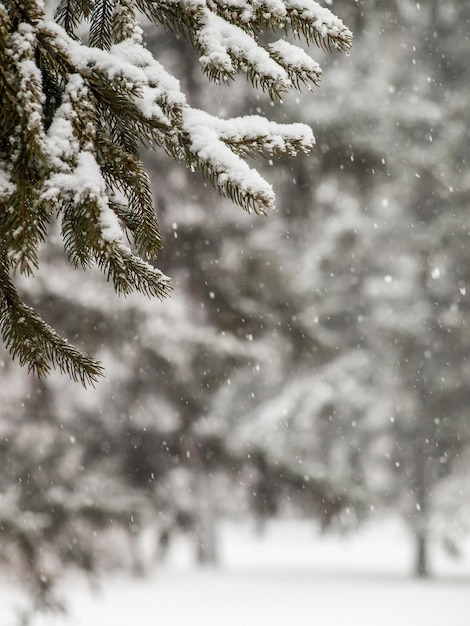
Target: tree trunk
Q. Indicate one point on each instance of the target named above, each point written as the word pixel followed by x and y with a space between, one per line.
pixel 206 545
pixel 422 556
pixel 205 525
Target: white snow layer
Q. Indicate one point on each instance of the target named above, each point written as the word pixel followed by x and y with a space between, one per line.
pixel 220 145
pixel 211 136
pixel 130 63
pixel 220 39
pixel 287 576
pixel 6 186
pixel 295 57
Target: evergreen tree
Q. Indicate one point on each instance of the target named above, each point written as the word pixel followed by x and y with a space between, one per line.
pixel 58 500
pixel 369 290
pixel 80 96
pixel 407 144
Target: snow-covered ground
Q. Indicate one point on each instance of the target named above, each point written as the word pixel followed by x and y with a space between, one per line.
pixel 288 576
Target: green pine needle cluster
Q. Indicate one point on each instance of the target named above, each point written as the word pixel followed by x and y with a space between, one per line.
pixel 80 96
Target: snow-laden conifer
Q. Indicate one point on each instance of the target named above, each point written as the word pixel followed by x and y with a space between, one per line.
pixel 81 95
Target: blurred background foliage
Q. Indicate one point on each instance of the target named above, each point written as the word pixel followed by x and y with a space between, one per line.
pixel 312 363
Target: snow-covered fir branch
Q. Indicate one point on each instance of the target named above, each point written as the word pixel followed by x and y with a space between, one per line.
pixel 82 94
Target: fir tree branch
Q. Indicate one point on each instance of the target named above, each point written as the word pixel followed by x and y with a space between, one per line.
pixel 215 147
pixel 318 25
pixel 101 24
pixel 226 49
pixel 125 22
pixel 91 233
pixel 300 67
pixel 24 225
pixel 35 343
pixel 77 107
pixel 180 16
pixel 70 13
pixel 130 273
pixel 125 172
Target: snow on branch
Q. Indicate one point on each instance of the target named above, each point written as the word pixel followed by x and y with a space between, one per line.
pixel 127 65
pixel 300 66
pixel 226 49
pixel 7 187
pixel 227 36
pixel 81 95
pixel 25 225
pixel 318 24
pixel 303 17
pixel 218 146
pixel 230 174
pixel 228 41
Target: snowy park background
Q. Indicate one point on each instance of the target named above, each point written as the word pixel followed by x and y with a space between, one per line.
pixel 286 575
pixel 285 439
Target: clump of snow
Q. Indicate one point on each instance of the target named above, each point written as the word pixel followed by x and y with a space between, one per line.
pixel 61 142
pixel 128 62
pixel 295 58
pixel 254 128
pixel 212 139
pixel 324 21
pixel 231 169
pixel 6 186
pixel 220 40
pixel 86 183
pixel 29 98
pixel 158 83
pixel 23 42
